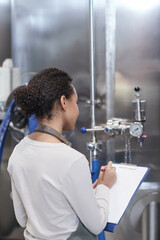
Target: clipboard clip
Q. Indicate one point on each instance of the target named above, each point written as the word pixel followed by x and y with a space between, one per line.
pixel 128 166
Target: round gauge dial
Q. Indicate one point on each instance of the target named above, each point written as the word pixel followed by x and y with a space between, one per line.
pixel 136 129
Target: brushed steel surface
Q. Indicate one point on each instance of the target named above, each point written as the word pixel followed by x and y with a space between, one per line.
pixel 5 30
pixel 52 34
pixel 137 64
pixel 55 33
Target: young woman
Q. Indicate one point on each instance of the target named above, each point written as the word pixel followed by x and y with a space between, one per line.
pixel 52 191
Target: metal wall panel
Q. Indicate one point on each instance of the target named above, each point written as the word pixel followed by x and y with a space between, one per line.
pixel 50 33
pixel 138 64
pixel 5 30
pixel 56 33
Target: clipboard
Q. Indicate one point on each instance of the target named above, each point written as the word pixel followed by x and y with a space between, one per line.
pixel 129 179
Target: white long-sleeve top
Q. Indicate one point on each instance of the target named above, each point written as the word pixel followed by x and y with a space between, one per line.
pixel 52 191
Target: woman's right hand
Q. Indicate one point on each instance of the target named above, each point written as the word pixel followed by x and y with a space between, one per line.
pixel 107 175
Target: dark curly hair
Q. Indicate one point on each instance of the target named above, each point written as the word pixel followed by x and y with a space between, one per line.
pixel 42 91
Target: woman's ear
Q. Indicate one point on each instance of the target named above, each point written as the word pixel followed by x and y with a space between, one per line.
pixel 63 101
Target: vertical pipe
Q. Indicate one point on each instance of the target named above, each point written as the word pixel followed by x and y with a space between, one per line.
pixel 95 162
pixel 90 159
pixel 138 110
pixel 110 27
pixel 150 222
pixel 110 57
pixel 92 93
pixel 13 33
pixel 95 170
pixel 145 224
pixel 154 225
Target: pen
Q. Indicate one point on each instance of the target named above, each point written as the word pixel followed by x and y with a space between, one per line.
pixel 103 169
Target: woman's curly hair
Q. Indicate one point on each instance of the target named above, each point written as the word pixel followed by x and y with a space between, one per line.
pixel 42 91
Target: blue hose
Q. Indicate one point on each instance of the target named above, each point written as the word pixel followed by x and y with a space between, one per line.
pixel 101 236
pixel 5 124
pixel 95 170
pixel 95 174
pixel 4 128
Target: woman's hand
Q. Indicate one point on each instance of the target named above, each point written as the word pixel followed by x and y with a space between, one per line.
pixel 107 175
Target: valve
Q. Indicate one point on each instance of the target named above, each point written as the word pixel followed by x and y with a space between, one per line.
pixel 94 146
pixel 83 130
pixel 138 107
pixel 142 138
pixel 106 129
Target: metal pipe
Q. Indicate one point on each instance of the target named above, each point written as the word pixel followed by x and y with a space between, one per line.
pixel 13 33
pixel 110 57
pixel 138 110
pixel 92 93
pixel 110 26
pixel 154 225
pixel 150 222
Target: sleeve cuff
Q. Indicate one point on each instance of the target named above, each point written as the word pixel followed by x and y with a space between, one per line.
pixel 102 191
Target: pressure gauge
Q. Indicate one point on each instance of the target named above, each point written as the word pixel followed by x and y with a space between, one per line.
pixel 136 129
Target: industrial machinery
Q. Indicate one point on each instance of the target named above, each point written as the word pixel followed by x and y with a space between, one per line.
pixel 117 126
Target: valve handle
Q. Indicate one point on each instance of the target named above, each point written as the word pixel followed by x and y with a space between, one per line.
pixel 106 129
pixel 143 137
pixel 83 130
